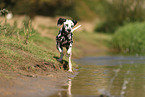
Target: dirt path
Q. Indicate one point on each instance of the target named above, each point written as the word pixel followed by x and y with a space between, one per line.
pixel 16 85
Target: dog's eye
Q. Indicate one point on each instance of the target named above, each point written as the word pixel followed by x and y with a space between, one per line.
pixel 72 26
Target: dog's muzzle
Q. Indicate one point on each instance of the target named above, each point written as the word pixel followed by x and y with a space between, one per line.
pixel 69 30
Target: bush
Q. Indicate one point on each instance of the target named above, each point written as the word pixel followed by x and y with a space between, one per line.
pixel 119 12
pixel 77 9
pixel 130 38
pixel 107 27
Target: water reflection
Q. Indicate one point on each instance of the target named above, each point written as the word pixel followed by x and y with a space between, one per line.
pixel 69 88
pixel 66 92
pixel 101 77
pixel 113 76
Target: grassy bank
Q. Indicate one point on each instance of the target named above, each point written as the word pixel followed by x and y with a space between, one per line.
pixel 16 54
pixel 31 58
pixel 27 50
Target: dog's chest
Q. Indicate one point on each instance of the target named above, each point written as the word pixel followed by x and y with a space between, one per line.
pixel 64 38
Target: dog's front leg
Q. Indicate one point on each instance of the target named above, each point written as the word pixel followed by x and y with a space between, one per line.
pixel 70 65
pixel 60 49
pixel 61 56
pixel 69 55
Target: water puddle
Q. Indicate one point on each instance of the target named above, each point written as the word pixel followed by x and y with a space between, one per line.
pixel 107 76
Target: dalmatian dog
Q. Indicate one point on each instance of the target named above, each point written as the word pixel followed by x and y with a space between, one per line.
pixel 64 38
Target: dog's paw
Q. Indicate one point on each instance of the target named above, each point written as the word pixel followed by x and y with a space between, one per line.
pixel 68 55
pixel 70 71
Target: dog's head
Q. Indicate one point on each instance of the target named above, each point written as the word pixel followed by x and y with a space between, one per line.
pixel 67 24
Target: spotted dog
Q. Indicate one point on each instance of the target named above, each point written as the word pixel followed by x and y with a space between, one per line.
pixel 64 38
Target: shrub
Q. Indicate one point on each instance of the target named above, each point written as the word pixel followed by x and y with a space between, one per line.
pixel 119 12
pixel 12 30
pixel 130 38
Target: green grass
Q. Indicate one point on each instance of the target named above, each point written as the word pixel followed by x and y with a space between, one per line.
pixel 14 52
pixel 130 38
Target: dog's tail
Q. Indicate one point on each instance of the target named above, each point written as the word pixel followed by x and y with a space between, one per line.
pixel 75 28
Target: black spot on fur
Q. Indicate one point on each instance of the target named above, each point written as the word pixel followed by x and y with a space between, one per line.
pixel 61 21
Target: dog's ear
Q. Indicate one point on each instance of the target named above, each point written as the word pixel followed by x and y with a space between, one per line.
pixel 60 21
pixel 75 22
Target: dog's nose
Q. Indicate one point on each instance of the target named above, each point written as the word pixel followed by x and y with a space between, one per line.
pixel 68 30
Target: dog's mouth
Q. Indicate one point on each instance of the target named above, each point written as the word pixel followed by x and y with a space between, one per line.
pixel 68 30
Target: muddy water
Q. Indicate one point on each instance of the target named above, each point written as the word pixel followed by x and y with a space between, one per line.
pixel 107 76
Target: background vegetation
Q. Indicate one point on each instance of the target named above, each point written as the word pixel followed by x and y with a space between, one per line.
pixel 77 9
pixel 116 13
pixel 112 15
pixel 130 38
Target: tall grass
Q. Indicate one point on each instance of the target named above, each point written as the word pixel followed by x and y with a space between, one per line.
pixel 130 38
pixel 23 33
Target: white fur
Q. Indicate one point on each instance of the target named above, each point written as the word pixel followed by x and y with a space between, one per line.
pixel 69 55
pixel 68 24
pixel 70 65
